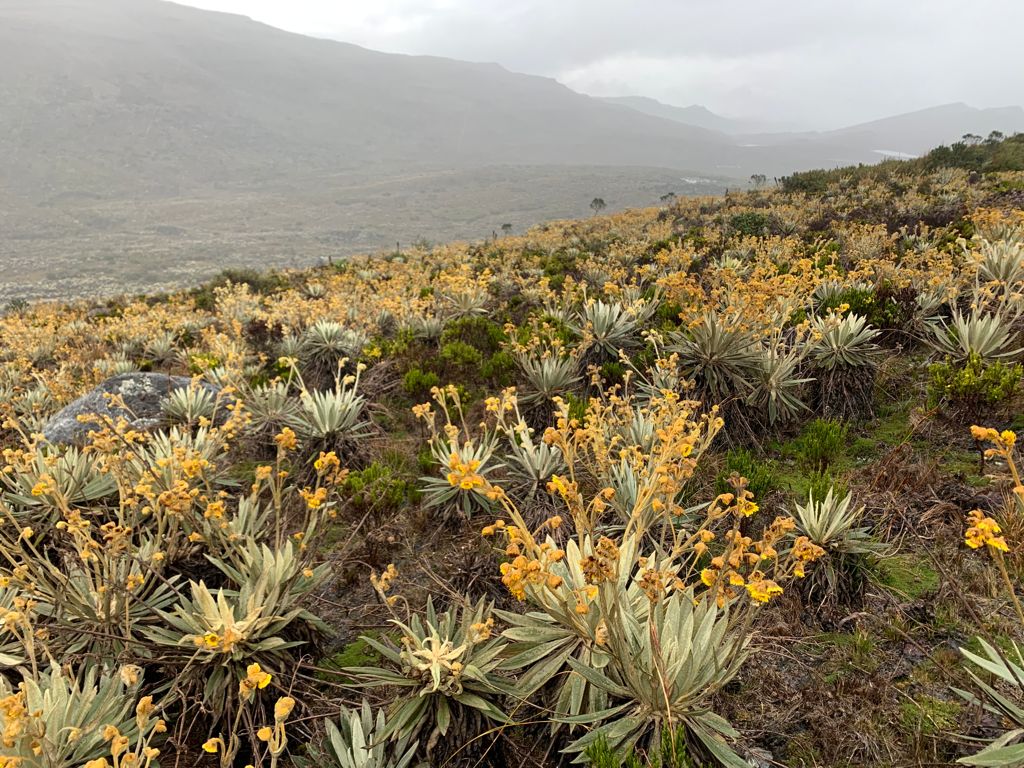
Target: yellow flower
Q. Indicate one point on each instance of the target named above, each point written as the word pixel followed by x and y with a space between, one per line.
pixel 215 510
pixel 144 709
pixel 314 499
pixel 283 707
pixel 265 733
pixel 130 674
pixel 286 439
pixel 212 745
pixel 763 590
pixel 326 461
pixel 255 678
pixel 984 531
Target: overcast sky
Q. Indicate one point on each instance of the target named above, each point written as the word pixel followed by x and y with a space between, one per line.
pixel 810 63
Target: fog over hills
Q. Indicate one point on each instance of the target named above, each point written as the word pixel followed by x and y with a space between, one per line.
pixel 140 126
pixel 695 114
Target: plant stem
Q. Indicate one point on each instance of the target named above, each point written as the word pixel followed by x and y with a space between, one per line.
pixel 1009 586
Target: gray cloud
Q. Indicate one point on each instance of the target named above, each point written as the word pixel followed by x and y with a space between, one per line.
pixel 813 63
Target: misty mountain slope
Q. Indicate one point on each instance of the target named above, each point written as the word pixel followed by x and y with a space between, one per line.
pixel 920 131
pixel 118 93
pixel 695 114
pixel 148 143
pixel 910 133
pixel 108 98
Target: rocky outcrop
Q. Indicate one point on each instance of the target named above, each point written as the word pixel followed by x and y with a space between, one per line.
pixel 141 393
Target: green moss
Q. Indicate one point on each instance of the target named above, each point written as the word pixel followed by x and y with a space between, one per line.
pixel 958 462
pixel 358 653
pixel 863 448
pixel 892 427
pixel 928 716
pixel 910 575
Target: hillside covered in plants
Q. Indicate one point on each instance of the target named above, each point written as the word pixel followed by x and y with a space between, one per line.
pixel 729 482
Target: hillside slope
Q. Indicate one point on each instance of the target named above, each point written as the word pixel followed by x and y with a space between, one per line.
pixel 144 94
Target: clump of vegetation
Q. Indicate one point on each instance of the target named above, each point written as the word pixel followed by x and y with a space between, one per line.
pixel 974 386
pixel 821 443
pixel 671 754
pixel 845 360
pixel 760 472
pixel 832 523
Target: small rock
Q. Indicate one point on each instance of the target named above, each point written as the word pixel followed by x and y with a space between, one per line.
pixel 143 395
pixel 760 758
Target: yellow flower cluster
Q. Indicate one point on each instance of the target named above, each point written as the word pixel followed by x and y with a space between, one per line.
pixel 984 531
pixel 382 584
pixel 531 561
pixel 463 474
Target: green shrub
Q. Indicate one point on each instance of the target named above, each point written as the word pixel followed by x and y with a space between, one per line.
pixel 459 354
pixel 668 314
pixel 612 372
pixel 973 385
pixel 557 265
pixel 821 443
pixel 807 182
pixel 819 484
pixel 381 485
pixel 760 473
pixel 577 407
pixel 499 369
pixel 861 301
pixel 263 283
pixel 480 332
pixel 751 224
pixel 418 382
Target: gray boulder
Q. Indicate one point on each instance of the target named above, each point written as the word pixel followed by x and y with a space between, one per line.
pixel 142 393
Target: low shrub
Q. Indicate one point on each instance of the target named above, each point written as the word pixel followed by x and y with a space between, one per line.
pixel 760 473
pixel 972 386
pixel 821 443
pixel 418 382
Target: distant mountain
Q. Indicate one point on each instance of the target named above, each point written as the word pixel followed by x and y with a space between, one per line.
pixel 145 97
pixel 101 95
pixel 695 115
pixel 918 132
pixel 905 135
